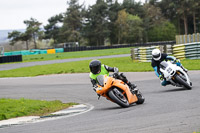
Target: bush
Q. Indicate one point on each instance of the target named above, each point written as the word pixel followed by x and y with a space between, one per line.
pixel 164 32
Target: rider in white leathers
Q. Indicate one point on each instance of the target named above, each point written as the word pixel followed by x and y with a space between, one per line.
pixel 157 58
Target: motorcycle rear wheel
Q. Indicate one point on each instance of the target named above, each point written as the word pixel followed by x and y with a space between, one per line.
pixel 118 98
pixel 182 82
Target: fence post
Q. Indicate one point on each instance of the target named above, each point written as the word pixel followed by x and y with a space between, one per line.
pixel 190 38
pixel 182 38
pixel 194 40
pixel 161 49
pixel 165 48
pixel 177 39
pixel 132 54
pixel 186 40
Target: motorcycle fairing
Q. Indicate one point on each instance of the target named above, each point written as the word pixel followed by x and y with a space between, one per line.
pixel 109 82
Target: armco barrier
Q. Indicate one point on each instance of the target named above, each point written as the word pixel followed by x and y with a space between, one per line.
pixel 37 51
pixel 12 58
pixel 180 51
pixel 187 51
pixel 34 52
pixel 59 50
pixel 144 54
pixel 83 48
pixel 51 51
pixel 183 39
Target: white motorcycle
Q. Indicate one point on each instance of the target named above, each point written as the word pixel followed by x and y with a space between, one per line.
pixel 175 75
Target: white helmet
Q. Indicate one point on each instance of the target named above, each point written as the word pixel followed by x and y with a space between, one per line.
pixel 156 54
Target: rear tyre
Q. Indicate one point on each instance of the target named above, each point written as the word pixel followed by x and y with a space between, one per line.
pixel 118 98
pixel 140 97
pixel 182 82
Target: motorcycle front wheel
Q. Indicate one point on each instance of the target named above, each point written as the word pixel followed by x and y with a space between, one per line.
pixel 140 97
pixel 182 82
pixel 118 98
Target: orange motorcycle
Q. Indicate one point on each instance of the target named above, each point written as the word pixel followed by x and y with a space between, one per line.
pixel 117 91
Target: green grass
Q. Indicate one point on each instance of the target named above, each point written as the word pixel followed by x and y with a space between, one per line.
pixel 78 54
pixel 11 108
pixel 125 64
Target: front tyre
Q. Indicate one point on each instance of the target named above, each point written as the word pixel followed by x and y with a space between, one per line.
pixel 182 82
pixel 140 97
pixel 118 98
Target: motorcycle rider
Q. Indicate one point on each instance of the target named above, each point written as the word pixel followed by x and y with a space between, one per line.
pixel 157 58
pixel 96 68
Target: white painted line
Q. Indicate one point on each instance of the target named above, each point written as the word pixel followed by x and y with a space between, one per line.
pixel 18 120
pixel 72 111
pixel 66 112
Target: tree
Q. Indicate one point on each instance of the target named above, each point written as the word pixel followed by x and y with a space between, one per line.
pixel 96 24
pixel 169 11
pixel 33 29
pixel 122 26
pixel 179 9
pixel 53 28
pixel 194 9
pixel 72 23
pixel 14 36
pixel 129 27
pixel 25 37
pixel 134 8
pixel 153 2
pixel 135 29
pixel 113 9
pixel 153 17
pixel 183 9
pixel 32 32
pixel 163 32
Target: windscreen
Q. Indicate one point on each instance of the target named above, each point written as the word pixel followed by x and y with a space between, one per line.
pixel 163 65
pixel 100 80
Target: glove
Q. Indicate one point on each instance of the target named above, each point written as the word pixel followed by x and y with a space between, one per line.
pixel 115 75
pixel 177 60
pixel 178 63
pixel 116 70
pixel 161 77
pixel 95 88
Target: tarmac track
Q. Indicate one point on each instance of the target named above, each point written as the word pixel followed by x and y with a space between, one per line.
pixel 166 109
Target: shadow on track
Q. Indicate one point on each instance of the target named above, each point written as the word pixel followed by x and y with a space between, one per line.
pixel 116 107
pixel 173 90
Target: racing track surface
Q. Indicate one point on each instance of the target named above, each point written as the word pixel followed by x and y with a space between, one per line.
pixel 166 109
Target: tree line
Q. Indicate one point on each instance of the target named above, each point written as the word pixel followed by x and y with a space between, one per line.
pixel 110 22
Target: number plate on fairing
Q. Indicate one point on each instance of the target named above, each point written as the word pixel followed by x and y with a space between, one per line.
pixel 169 70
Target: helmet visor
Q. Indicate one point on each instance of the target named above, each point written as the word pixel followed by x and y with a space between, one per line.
pixel 157 56
pixel 95 69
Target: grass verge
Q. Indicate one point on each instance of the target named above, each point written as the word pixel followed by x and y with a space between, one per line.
pixel 11 108
pixel 125 64
pixel 77 54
